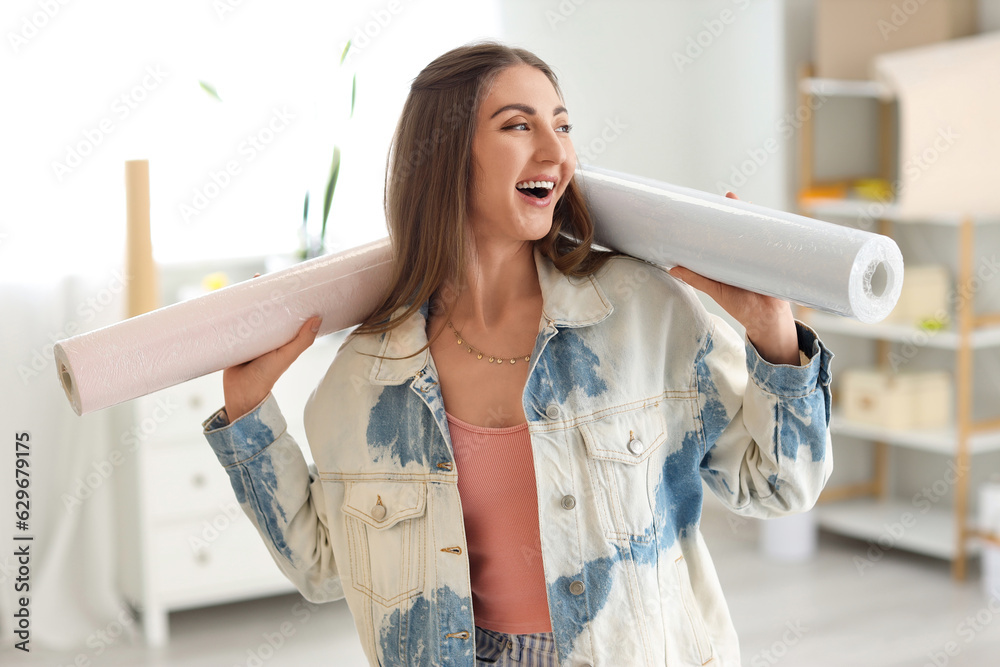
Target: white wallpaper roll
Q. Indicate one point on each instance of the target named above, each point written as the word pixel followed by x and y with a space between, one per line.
pixel 818 264
pixel 230 326
pixel 823 265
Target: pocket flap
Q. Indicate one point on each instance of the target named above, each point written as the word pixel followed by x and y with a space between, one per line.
pixel 626 437
pixel 382 504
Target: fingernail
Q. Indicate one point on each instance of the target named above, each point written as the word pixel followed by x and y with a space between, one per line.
pixel 316 323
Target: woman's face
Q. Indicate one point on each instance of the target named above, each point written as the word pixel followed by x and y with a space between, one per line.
pixel 522 135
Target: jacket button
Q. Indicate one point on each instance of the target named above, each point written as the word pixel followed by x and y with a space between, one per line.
pixel 568 502
pixel 378 512
pixel 635 446
pixel 552 412
pixel 576 588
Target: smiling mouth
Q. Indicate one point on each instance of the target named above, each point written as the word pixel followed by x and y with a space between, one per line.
pixel 538 189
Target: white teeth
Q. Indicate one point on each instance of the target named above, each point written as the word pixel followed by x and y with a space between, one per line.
pixel 535 184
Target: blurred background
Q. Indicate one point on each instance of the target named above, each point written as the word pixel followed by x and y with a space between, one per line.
pixel 266 126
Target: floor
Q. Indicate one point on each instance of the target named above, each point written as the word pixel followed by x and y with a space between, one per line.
pixel 840 608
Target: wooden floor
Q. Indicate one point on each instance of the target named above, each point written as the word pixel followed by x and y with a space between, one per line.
pixel 904 610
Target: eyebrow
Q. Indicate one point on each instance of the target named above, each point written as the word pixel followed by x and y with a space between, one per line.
pixel 526 109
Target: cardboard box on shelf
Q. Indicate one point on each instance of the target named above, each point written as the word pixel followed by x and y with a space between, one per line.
pixel 900 401
pixel 849 33
pixel 924 297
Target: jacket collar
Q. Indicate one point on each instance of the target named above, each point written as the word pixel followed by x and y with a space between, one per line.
pixel 566 301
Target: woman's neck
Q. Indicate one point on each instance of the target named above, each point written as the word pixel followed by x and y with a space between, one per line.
pixel 499 284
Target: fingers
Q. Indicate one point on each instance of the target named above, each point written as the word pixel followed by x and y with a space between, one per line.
pixel 303 339
pixel 696 280
pixel 273 364
pixel 731 195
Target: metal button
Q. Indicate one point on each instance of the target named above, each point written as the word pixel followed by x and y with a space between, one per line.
pixel 635 446
pixel 552 412
pixel 568 502
pixel 576 588
pixel 378 512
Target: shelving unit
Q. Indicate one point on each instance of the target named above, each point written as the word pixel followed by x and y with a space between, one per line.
pixel 866 510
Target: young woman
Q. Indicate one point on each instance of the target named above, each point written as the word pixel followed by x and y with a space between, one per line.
pixel 509 452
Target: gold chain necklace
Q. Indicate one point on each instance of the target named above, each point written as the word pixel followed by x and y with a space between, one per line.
pixel 480 354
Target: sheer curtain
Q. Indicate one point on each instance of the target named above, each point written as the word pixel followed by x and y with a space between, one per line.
pixel 91 85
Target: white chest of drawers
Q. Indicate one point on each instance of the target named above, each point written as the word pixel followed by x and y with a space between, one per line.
pixel 183 540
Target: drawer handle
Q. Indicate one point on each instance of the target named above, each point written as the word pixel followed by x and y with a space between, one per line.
pixel 195 402
pixel 198 480
pixel 201 557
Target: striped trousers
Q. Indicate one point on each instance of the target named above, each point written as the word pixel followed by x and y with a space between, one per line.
pixel 506 650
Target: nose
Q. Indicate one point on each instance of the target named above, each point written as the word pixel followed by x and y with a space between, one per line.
pixel 550 146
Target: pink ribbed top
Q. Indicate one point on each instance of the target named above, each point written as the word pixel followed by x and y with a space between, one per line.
pixel 496 482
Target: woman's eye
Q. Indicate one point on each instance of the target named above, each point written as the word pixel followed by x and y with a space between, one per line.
pixel 563 128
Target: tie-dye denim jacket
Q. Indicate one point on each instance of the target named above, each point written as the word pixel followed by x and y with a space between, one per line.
pixel 635 394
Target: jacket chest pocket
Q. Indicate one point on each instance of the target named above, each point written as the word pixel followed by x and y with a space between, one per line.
pixel 619 448
pixel 386 535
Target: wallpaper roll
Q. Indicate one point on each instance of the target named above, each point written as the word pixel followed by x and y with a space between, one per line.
pixel 230 326
pixel 819 264
pixel 789 256
pixel 143 289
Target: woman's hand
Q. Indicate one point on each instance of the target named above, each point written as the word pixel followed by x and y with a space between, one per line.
pixel 246 385
pixel 768 321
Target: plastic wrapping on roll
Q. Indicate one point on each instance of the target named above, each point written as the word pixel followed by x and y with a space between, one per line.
pixel 822 265
pixel 230 326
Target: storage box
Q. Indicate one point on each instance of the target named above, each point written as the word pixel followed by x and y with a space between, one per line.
pixel 924 296
pixel 849 33
pixel 903 401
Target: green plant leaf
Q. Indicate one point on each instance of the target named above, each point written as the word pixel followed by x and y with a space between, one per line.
pixel 210 89
pixel 331 185
pixel 305 209
pixel 354 90
pixel 347 47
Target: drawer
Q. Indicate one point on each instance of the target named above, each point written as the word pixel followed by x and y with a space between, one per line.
pixel 184 479
pixel 191 563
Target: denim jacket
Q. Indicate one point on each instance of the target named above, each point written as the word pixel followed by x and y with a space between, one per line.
pixel 635 394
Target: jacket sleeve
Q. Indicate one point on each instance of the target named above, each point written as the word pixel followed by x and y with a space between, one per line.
pixel 280 494
pixel 766 427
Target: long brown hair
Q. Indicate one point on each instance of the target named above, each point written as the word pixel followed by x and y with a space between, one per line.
pixel 428 179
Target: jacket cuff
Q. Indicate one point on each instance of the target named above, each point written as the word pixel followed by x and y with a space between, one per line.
pixel 792 381
pixel 247 436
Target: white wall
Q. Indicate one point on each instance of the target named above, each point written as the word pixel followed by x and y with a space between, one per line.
pixel 688 112
pixel 70 71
